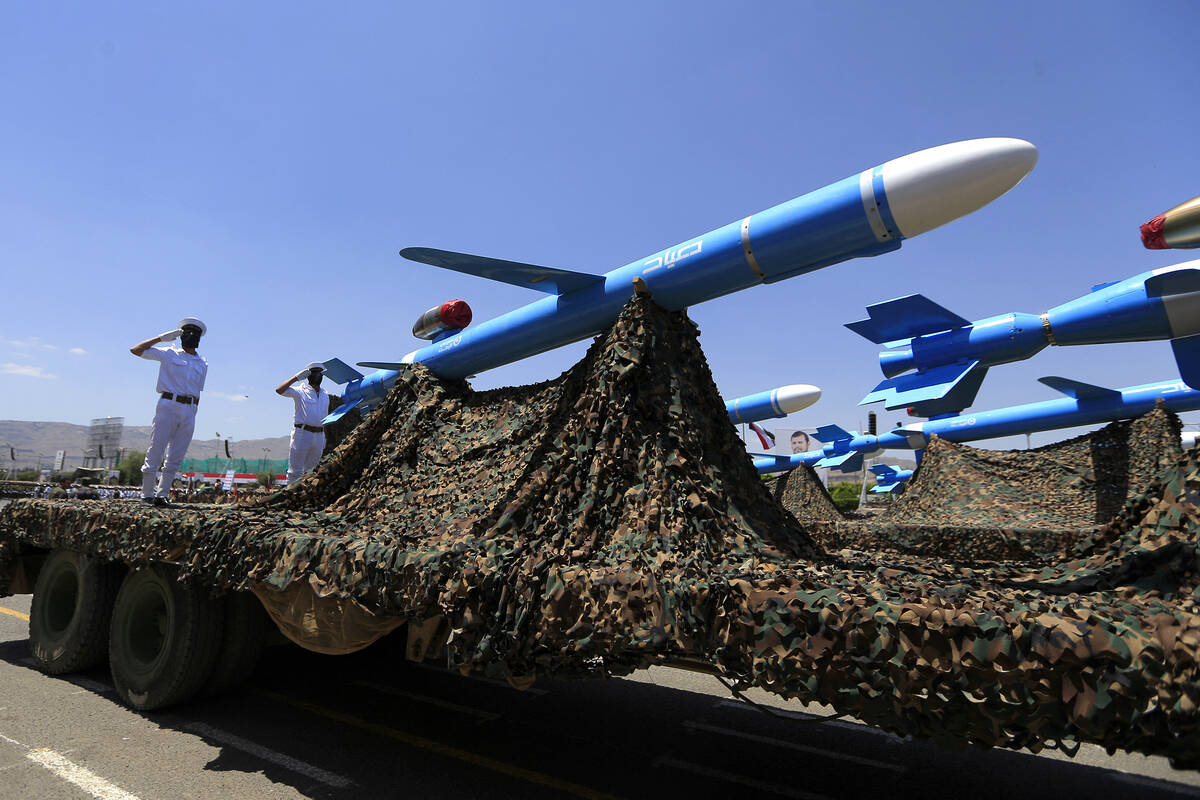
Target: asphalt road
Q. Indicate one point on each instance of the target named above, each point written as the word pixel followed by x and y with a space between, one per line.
pixel 373 725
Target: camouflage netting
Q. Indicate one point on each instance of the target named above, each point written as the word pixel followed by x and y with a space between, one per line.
pixel 964 503
pixel 801 492
pixel 1077 483
pixel 611 519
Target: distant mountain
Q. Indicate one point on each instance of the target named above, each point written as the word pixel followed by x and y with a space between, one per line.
pixel 31 438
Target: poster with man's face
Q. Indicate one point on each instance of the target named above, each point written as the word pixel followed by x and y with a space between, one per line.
pixel 798 441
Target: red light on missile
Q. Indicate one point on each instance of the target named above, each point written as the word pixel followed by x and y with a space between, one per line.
pixel 453 315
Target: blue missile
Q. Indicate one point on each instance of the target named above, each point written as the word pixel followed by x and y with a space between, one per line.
pixel 1084 404
pixel 867 214
pixel 772 404
pixel 948 356
pixel 889 479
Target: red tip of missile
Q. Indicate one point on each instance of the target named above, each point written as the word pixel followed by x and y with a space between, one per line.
pixel 456 314
pixel 1152 233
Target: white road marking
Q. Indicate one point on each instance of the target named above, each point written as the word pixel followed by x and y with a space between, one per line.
pixel 71 772
pixel 484 716
pixel 732 777
pixel 266 754
pixel 859 727
pixel 868 762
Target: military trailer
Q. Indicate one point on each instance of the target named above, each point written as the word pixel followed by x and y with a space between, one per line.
pixel 610 520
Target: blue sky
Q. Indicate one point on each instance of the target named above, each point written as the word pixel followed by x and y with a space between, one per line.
pixel 260 165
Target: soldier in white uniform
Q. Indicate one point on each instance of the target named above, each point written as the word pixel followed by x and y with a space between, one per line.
pixel 308 435
pixel 181 374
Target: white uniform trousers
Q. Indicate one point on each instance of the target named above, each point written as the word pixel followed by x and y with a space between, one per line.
pixel 304 453
pixel 170 434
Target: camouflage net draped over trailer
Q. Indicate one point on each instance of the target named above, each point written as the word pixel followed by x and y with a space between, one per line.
pixel 965 502
pixel 611 519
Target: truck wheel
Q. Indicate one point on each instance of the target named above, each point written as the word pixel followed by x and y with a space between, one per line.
pixel 245 635
pixel 164 639
pixel 69 615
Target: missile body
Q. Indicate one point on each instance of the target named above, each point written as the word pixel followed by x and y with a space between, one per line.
pixel 864 215
pixel 771 404
pixel 1177 228
pixel 1084 404
pixel 888 479
pixel 949 355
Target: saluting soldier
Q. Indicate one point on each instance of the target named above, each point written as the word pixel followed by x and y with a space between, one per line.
pixel 181 374
pixel 308 434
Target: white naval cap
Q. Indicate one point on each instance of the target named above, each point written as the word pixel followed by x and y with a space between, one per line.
pixel 316 365
pixel 193 321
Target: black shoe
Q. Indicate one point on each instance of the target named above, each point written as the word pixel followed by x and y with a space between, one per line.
pixel 149 500
pixel 161 502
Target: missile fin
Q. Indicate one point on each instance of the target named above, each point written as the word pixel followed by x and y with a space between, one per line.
pixel 778 459
pixel 1187 358
pixel 843 462
pixel 392 365
pixel 896 321
pixel 1077 389
pixel 1180 281
pixel 882 470
pixel 945 388
pixel 340 412
pixel 831 433
pixel 550 280
pixel 339 371
pixel 885 488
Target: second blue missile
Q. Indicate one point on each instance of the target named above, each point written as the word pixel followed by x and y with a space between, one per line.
pixel 948 356
pixel 1084 404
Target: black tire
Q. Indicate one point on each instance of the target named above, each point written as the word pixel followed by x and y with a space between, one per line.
pixel 164 639
pixel 70 612
pixel 242 642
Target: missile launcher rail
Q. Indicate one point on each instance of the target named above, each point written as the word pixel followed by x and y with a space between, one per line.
pixel 610 520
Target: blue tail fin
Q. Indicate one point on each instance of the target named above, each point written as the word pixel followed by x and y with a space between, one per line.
pixel 941 390
pixel 831 433
pixel 340 412
pixel 895 321
pixel 339 371
pixel 1187 358
pixel 843 462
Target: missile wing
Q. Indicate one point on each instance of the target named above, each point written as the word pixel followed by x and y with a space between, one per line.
pixel 1078 389
pixel 550 280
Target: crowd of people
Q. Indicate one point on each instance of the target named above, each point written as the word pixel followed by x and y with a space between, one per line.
pixel 181 492
pixel 68 490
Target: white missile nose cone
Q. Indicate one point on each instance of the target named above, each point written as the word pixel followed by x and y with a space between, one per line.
pixel 796 396
pixel 929 188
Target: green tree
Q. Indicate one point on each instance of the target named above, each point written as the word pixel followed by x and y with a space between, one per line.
pixel 845 495
pixel 131 467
